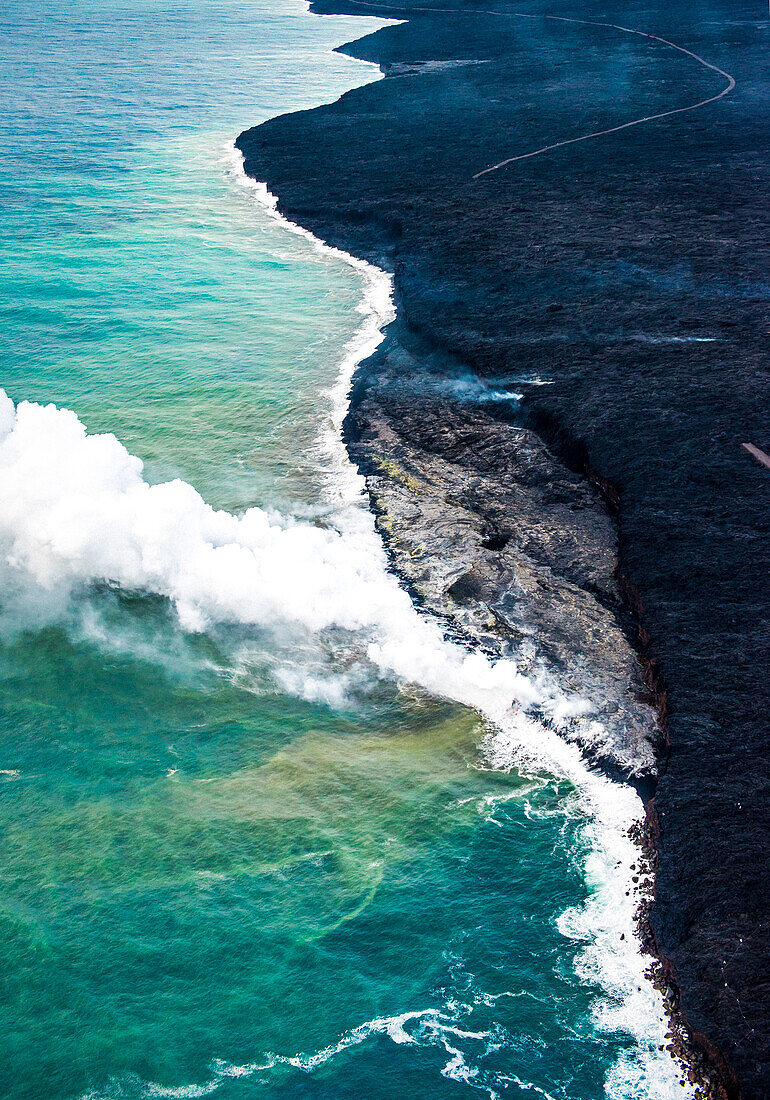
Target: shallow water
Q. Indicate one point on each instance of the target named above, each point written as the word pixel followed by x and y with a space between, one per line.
pixel 247 858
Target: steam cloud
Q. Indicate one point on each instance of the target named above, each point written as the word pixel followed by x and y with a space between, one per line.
pixel 75 510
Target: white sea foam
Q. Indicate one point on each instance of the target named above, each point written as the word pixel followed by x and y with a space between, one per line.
pixel 431 1027
pixel 76 511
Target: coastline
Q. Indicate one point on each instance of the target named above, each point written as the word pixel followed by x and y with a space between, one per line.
pixel 369 234
pixel 421 915
pixel 605 920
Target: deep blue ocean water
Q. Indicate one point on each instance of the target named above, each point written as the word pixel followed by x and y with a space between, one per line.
pixel 242 853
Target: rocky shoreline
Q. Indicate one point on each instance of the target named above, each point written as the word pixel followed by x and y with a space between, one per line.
pixel 610 513
pixel 515 552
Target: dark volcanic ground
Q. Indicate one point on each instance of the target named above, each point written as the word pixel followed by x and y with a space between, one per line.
pixel 631 271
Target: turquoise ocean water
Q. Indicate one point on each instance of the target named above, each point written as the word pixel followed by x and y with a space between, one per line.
pixel 242 854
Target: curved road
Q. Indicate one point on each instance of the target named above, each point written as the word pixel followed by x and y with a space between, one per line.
pixel 586 23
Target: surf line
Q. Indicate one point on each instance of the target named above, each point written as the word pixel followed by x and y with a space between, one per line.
pixel 606 922
pixel 586 23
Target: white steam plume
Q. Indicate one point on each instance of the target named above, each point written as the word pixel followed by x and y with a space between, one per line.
pixel 75 511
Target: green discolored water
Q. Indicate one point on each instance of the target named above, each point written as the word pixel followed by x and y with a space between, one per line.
pixel 237 862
